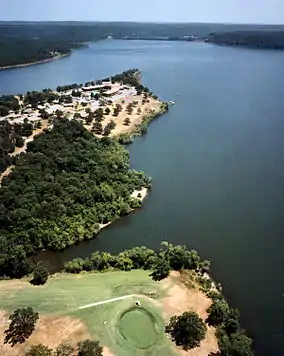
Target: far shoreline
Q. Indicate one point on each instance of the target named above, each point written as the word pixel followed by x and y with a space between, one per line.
pixel 14 66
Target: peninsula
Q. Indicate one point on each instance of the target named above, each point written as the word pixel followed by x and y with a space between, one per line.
pixel 118 293
pixel 65 174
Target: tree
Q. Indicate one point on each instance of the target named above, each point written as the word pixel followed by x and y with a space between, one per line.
pixel 76 93
pixel 89 118
pixel 59 113
pixel 40 275
pixel 64 350
pixel 161 270
pixel 237 344
pixel 44 114
pixel 77 115
pixel 21 327
pixel 126 121
pixel 97 128
pixel 99 115
pixel 89 348
pixel 107 111
pixel 19 141
pixel 38 125
pixel 218 313
pixel 109 127
pixel 112 124
pixel 186 330
pixel 39 350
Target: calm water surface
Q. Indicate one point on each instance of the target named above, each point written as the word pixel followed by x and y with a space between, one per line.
pixel 217 162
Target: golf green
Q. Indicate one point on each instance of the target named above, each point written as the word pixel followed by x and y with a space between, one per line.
pixel 138 327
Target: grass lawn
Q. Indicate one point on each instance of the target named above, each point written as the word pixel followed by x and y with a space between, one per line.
pixel 129 330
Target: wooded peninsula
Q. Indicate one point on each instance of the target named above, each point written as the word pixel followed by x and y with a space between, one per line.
pixel 74 177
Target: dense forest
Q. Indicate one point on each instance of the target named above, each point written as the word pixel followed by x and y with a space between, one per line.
pixel 253 39
pixel 11 136
pixel 22 42
pixel 61 190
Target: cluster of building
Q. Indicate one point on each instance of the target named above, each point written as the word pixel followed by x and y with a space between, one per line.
pixel 92 96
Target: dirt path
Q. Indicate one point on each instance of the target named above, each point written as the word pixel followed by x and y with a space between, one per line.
pixel 19 150
pixel 6 173
pixel 106 301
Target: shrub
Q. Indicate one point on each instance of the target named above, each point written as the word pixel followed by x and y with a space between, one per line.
pixel 74 266
pixel 40 275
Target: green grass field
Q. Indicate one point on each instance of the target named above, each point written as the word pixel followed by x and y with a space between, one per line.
pixel 129 330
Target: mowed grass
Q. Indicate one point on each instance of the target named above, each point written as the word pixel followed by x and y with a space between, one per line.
pixel 127 331
pixel 138 327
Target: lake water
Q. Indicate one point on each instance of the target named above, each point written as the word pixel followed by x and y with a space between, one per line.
pixel 216 159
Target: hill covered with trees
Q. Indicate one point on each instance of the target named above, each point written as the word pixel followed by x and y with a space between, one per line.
pixel 23 42
pixel 253 39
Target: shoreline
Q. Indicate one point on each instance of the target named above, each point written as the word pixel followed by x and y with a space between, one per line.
pixel 143 191
pixel 14 66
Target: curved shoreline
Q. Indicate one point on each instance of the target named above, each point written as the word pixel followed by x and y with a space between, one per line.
pixel 34 63
pixel 143 191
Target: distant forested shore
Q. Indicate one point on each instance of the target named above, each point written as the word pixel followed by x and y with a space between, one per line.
pixel 50 59
pixel 253 39
pixel 24 43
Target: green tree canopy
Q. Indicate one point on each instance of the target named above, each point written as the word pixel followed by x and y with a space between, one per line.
pixel 186 330
pixel 40 275
pixel 21 326
pixel 39 350
pixel 161 269
pixel 64 350
pixel 218 313
pixel 89 348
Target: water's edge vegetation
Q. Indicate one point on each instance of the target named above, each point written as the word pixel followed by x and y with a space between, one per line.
pixel 232 339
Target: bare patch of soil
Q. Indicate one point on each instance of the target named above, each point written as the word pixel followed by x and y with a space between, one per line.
pixel 179 299
pixel 19 150
pixel 107 352
pixel 6 172
pixel 49 331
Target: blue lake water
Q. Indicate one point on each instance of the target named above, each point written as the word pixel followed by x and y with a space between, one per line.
pixel 216 159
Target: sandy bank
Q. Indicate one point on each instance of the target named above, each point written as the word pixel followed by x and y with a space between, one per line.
pixel 135 194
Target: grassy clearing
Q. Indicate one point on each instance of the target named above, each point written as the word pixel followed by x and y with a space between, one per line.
pixel 128 331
